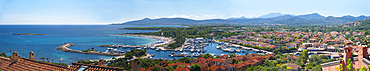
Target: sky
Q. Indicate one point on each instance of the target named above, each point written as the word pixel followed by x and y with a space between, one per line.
pixel 100 12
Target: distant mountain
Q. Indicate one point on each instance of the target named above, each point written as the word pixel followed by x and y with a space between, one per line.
pixel 270 15
pixel 308 19
pixel 237 18
pixel 313 16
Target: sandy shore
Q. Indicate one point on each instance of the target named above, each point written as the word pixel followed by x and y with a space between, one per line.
pixel 165 40
pixel 161 38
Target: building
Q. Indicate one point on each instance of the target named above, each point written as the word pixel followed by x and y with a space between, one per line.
pixel 18 63
pixel 362 60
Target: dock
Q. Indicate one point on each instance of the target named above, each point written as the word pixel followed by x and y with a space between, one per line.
pixel 66 46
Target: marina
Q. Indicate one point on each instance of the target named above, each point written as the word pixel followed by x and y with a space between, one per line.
pixel 191 48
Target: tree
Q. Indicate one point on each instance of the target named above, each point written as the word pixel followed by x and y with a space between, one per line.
pixel 129 54
pixel 218 56
pixel 195 67
pixel 316 69
pixel 349 66
pixel 232 55
pixel 169 68
pixel 155 69
pixel 304 56
pixel 207 55
pixel 284 66
pixel 250 68
pixel 362 69
pixel 3 54
pixel 233 61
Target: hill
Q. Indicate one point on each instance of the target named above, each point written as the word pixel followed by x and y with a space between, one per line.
pixel 270 15
pixel 359 25
pixel 308 19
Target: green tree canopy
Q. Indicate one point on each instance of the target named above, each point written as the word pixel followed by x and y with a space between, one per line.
pixel 207 55
pixel 155 69
pixel 3 54
pixel 195 67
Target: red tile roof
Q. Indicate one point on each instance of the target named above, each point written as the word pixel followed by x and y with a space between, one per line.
pixel 181 69
pixel 217 60
pixel 24 64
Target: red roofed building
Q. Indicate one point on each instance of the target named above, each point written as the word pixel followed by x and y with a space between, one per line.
pixel 216 61
pixel 181 69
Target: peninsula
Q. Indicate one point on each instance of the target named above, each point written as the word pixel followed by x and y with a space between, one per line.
pixel 28 34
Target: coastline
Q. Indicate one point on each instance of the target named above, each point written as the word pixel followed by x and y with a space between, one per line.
pixel 163 39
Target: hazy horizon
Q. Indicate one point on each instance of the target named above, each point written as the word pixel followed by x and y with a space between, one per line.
pixel 102 12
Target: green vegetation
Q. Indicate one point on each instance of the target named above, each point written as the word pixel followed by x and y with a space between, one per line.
pixel 3 54
pixel 284 50
pixel 88 62
pixel 349 66
pixel 145 63
pixel 179 33
pixel 89 50
pixel 232 61
pixel 155 69
pixel 195 67
pixel 143 28
pixel 304 56
pixel 207 55
pixel 63 64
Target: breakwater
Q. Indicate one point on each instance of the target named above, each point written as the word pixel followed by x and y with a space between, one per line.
pixel 66 46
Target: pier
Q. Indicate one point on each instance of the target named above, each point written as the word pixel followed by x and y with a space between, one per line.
pixel 66 46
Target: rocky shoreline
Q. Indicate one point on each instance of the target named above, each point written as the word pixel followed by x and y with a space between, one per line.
pixel 28 34
pixel 66 49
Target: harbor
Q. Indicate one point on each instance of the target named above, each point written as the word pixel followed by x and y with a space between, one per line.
pixel 193 47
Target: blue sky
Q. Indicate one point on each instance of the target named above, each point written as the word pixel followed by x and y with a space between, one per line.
pixel 92 12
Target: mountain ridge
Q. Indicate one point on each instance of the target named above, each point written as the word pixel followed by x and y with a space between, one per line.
pixel 307 19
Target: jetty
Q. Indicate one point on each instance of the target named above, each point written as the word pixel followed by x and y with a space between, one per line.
pixel 66 48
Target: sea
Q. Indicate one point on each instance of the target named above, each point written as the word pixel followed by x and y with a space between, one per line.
pixel 84 36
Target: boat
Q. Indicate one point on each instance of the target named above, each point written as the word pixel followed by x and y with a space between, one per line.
pixel 112 50
pixel 218 47
pixel 157 49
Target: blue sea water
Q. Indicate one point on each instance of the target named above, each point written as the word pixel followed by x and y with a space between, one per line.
pixel 84 36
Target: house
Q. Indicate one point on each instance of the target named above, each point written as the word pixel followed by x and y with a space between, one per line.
pixel 348 42
pixel 362 60
pixel 18 63
pixel 338 45
pixel 216 61
pixel 292 58
pixel 293 67
pixel 181 69
pixel 291 45
pixel 217 68
pixel 312 40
